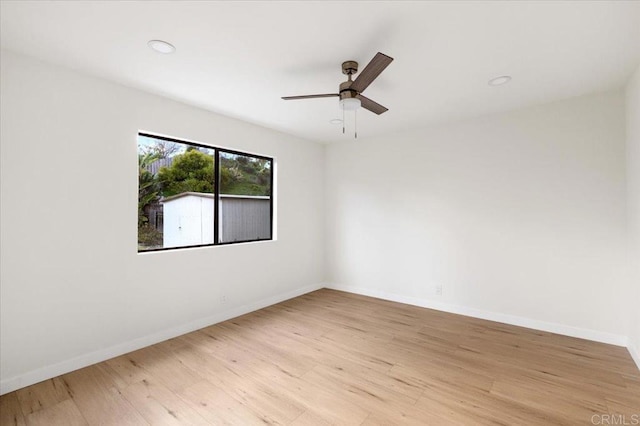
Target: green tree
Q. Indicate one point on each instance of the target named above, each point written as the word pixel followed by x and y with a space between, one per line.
pixel 148 194
pixel 189 172
pixel 148 188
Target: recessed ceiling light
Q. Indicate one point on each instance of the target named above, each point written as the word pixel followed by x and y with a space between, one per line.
pixel 499 81
pixel 335 121
pixel 161 46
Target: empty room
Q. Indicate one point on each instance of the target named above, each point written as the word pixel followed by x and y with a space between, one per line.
pixel 319 212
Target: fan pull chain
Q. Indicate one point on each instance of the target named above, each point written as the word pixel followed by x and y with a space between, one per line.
pixel 355 124
pixel 343 121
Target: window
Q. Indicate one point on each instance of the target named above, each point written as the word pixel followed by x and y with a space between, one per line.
pixel 192 195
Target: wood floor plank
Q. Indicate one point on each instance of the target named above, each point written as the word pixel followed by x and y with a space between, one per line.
pixel 219 408
pixel 412 417
pixel 126 371
pixel 358 391
pixel 10 411
pixel 309 418
pixel 627 400
pixel 98 399
pixel 270 349
pixel 322 403
pixel 65 412
pixel 479 408
pixel 550 398
pixel 160 362
pixel 42 395
pixel 160 406
pixel 330 357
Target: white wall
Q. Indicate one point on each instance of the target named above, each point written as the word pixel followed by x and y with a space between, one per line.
pixel 633 191
pixel 519 217
pixel 74 290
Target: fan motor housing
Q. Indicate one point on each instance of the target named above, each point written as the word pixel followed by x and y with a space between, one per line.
pixel 345 91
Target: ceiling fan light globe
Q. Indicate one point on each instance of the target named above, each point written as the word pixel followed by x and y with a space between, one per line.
pixel 350 104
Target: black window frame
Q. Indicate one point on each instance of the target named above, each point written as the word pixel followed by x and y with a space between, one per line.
pixel 216 189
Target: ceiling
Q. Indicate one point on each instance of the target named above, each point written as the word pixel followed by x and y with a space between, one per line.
pixel 239 58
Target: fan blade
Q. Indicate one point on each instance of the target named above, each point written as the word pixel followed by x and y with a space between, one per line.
pixel 371 72
pixel 326 95
pixel 372 106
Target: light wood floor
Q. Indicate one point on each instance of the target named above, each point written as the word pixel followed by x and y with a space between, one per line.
pixel 336 358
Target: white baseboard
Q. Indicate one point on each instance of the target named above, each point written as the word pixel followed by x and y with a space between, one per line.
pixel 635 353
pixel 567 330
pixel 47 372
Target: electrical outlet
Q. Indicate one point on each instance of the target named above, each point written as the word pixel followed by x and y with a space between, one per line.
pixel 438 289
pixel 223 299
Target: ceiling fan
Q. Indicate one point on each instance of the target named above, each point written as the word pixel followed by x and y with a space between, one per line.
pixel 350 91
